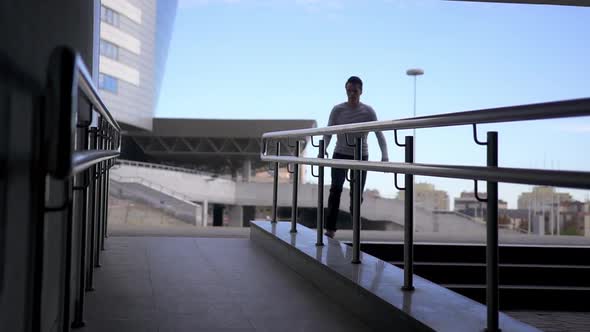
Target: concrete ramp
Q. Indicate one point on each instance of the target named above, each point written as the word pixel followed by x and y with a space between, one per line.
pixel 372 289
pixel 179 209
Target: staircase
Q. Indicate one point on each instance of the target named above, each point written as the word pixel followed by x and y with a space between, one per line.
pixel 544 277
pixel 140 190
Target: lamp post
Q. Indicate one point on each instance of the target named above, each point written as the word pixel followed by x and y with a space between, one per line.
pixel 414 72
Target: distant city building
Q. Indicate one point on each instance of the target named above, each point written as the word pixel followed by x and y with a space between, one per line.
pixel 134 39
pixel 587 219
pixel 428 197
pixel 469 205
pixel 541 196
pixel 551 212
pixel 513 219
pixel 372 193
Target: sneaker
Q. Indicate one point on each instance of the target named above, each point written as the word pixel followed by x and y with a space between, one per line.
pixel 330 233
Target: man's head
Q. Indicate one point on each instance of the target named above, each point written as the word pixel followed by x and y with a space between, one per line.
pixel 354 90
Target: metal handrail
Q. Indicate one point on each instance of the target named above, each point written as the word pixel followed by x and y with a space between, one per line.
pixel 490 173
pixel 570 179
pixel 539 111
pixel 91 92
pixel 67 76
pixel 82 160
pixel 80 144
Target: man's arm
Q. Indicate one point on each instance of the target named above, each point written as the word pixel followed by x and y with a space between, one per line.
pixel 380 139
pixel 328 138
pixel 382 145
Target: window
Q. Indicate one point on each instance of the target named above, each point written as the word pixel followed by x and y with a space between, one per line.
pixel 110 16
pixel 109 49
pixel 108 83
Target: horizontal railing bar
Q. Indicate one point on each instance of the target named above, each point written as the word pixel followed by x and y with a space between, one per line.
pixel 89 90
pixel 540 111
pixel 82 160
pixel 569 179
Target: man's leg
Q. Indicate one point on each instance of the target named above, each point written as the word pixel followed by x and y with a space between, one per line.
pixel 363 181
pixel 338 176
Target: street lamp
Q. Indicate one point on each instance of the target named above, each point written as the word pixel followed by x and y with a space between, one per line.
pixel 414 72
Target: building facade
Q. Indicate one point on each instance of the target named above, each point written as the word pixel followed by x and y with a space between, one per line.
pixel 134 40
pixel 427 197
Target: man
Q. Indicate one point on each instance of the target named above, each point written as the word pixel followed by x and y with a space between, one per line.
pixel 352 111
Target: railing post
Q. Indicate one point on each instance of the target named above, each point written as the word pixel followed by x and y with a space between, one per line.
pixel 92 198
pixel 492 295
pixel 83 192
pixel 108 184
pixel 68 259
pixel 295 188
pixel 99 190
pixel 104 179
pixel 275 185
pixel 320 216
pixel 356 204
pixel 409 219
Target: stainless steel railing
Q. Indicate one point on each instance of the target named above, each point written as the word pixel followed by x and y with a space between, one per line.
pixel 81 143
pixel 491 173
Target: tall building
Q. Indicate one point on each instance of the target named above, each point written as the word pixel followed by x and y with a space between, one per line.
pixel 541 197
pixel 134 40
pixel 551 212
pixel 428 197
pixel 587 219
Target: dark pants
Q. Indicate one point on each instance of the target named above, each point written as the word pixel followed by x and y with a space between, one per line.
pixel 338 177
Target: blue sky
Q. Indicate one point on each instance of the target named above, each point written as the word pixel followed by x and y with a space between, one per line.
pixel 287 59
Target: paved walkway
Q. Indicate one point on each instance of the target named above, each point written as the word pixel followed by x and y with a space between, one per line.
pixel 204 284
pixel 346 235
pixel 555 321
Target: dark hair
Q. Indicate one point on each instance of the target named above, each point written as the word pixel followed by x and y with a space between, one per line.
pixel 355 80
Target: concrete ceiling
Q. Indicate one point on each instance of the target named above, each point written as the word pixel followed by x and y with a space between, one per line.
pixel 581 3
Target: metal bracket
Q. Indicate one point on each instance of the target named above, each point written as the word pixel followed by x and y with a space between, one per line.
pixel 264 147
pixel 289 169
pixel 86 183
pixel 351 175
pixel 475 136
pixel 313 174
pixel 395 183
pixel 83 124
pixel 311 139
pixel 57 208
pixel 476 195
pixel 395 137
pixel 87 123
pixel 63 205
pixel 101 170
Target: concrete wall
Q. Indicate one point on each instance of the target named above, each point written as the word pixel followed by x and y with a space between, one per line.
pixel 222 191
pixel 199 188
pixel 29 31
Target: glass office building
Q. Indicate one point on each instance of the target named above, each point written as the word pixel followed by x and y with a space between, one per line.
pixel 134 40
